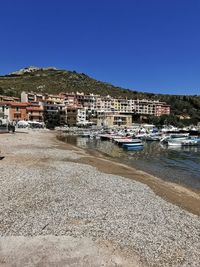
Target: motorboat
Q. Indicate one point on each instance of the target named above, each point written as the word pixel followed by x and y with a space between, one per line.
pixel 133 148
pixel 174 137
pixel 172 142
pixel 153 137
pixel 188 141
pixel 135 143
pixel 123 140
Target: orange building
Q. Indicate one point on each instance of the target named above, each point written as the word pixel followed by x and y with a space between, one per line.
pixel 17 111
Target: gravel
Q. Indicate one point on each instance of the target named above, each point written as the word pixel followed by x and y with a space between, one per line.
pixel 42 193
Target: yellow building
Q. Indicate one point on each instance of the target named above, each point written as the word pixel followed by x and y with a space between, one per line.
pixel 112 119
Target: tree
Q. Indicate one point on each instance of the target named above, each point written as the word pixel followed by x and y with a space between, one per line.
pixel 51 119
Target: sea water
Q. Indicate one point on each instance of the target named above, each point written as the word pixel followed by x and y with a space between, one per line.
pixel 180 165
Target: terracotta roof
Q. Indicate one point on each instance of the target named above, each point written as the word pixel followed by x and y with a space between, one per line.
pixel 4 103
pixel 14 104
pixel 34 109
pixel 7 97
pixel 18 104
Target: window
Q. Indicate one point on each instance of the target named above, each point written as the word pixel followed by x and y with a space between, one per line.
pixel 17 108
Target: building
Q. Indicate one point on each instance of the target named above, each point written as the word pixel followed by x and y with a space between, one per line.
pixel 72 113
pixel 162 109
pixel 4 111
pixel 81 116
pixel 83 108
pixel 35 113
pixel 54 113
pixel 149 107
pixel 57 99
pixel 16 111
pixel 70 100
pixel 32 97
pixel 4 98
pixel 113 119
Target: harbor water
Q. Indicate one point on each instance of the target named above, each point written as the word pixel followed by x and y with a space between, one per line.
pixel 179 165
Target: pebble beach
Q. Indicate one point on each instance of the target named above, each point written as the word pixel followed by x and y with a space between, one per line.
pixel 62 212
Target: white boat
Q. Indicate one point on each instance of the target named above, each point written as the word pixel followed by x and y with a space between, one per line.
pixel 172 142
pixel 174 137
pixel 184 142
pixel 141 135
pixel 153 137
pixel 86 134
pixel 190 142
pixel 121 141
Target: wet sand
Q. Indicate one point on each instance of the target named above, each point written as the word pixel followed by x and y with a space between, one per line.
pixel 186 198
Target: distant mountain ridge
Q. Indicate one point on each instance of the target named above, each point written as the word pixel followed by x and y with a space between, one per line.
pixel 53 81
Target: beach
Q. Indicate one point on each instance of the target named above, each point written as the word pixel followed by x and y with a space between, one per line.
pixel 61 206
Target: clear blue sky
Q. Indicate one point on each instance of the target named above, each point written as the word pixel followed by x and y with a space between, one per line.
pixel 147 45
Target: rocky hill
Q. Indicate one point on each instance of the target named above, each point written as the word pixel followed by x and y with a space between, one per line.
pixel 52 80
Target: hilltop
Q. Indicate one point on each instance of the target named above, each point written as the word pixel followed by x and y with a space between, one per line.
pixel 53 81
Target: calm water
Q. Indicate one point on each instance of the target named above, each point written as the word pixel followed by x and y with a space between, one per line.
pixel 179 165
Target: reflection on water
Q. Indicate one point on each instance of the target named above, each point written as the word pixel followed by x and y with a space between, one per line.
pixel 175 164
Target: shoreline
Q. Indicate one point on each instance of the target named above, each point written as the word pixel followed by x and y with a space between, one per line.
pixel 185 197
pixel 55 195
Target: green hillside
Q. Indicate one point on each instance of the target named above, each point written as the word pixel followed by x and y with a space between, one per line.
pixel 56 81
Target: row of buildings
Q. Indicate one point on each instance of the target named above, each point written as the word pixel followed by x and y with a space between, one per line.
pixel 78 109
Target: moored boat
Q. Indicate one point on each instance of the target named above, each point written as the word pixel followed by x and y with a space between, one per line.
pixel 153 137
pixel 174 137
pixel 190 142
pixel 133 148
pixel 134 144
pixel 123 141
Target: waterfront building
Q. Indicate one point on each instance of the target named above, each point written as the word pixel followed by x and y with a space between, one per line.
pixel 57 99
pixel 4 98
pixel 4 111
pixel 132 105
pixel 70 100
pixel 72 113
pixel 123 105
pixel 30 97
pixel 35 113
pixel 113 119
pixel 76 116
pixel 54 112
pixel 82 107
pixel 81 116
pixel 150 107
pixel 104 104
pixel 16 111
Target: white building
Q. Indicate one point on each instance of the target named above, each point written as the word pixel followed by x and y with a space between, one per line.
pixel 82 116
